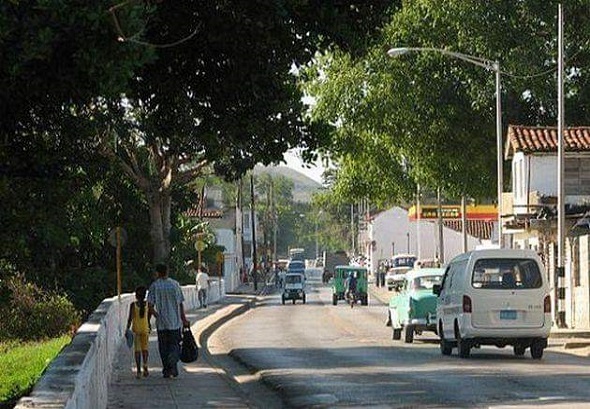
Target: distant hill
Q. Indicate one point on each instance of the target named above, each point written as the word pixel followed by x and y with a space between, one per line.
pixel 303 186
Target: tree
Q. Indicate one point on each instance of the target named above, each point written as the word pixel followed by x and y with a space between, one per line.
pixel 274 203
pixel 211 101
pixel 428 119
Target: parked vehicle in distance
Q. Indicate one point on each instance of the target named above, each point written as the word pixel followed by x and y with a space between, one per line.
pixel 297 254
pixel 333 259
pixel 494 297
pixel 427 263
pixel 296 266
pixel 294 288
pixel 400 264
pixel 412 309
pixel 339 284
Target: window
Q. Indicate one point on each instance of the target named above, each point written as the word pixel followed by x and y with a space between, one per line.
pixel 404 261
pixel 293 279
pixel 425 282
pixel 506 274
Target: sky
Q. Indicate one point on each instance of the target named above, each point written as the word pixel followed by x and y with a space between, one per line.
pixel 295 162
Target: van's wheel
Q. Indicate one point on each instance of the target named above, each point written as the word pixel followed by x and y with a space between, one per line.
pixel 408 334
pixel 463 345
pixel 446 348
pixel 537 348
pixel 519 350
pixel 397 333
pixel 334 299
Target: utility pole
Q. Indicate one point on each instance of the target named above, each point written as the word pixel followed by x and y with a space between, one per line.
pixel 253 223
pixel 275 218
pixel 560 268
pixel 441 238
pixel 352 227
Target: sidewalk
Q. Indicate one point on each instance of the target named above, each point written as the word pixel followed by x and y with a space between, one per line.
pixel 571 341
pixel 200 384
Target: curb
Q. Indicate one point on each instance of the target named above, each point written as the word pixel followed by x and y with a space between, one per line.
pixel 255 396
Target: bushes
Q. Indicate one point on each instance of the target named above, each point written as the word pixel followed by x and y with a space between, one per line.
pixel 34 314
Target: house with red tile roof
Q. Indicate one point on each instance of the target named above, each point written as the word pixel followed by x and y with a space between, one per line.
pixel 530 207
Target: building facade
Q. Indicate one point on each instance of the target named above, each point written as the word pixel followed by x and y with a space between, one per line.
pixel 529 212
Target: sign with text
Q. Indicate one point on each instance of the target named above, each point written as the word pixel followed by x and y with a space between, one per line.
pixel 448 212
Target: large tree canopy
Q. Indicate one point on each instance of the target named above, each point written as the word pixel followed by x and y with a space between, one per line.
pixel 193 85
pixel 431 118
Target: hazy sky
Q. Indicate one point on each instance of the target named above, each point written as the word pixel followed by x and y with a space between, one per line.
pixel 294 162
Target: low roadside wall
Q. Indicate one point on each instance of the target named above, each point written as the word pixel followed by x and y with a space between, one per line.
pixel 79 376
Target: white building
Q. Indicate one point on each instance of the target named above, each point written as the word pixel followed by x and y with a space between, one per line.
pixel 392 232
pixel 529 211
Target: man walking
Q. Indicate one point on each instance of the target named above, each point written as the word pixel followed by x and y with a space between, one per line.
pixel 165 301
pixel 202 287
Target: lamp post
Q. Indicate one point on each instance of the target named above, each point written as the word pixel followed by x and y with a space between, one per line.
pixel 489 65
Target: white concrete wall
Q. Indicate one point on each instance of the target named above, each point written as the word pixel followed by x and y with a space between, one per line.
pixel 543 179
pixel 582 292
pixel 79 376
pixel 390 231
pixel 227 238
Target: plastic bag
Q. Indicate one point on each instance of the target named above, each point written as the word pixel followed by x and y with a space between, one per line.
pixel 129 338
pixel 189 351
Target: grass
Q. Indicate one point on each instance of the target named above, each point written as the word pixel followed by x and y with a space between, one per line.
pixel 22 364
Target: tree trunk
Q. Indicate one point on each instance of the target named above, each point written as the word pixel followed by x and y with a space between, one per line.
pixel 159 209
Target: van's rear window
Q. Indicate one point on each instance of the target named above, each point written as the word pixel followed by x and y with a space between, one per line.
pixel 504 273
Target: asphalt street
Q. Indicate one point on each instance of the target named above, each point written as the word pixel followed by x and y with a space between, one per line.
pixel 319 355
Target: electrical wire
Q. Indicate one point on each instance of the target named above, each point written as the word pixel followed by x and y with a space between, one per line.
pixel 131 39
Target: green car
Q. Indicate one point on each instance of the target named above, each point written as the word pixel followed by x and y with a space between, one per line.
pixel 412 309
pixel 339 284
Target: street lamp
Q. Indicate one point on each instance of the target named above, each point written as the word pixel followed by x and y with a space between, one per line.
pixel 489 65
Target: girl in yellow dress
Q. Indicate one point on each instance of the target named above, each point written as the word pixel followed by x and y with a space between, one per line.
pixel 139 322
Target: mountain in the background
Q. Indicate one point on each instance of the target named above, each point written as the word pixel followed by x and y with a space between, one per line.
pixel 303 186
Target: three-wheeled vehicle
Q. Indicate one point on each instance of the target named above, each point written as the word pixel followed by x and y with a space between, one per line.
pixel 339 284
pixel 294 287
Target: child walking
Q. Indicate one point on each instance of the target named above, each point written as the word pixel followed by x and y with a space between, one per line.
pixel 139 322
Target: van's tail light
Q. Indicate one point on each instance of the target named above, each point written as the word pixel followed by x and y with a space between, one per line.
pixel 467 304
pixel 547 305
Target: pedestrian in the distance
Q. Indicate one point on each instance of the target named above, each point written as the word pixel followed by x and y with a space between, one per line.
pixel 139 322
pixel 202 287
pixel 165 301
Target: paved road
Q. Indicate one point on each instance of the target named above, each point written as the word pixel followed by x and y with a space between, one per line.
pixel 323 355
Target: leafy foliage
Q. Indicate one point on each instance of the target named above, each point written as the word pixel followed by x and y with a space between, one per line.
pixel 430 119
pixel 34 314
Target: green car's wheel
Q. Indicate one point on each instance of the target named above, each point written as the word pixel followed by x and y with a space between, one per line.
pixel 397 333
pixel 408 334
pixel 334 299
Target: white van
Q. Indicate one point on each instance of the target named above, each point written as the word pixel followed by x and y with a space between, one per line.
pixel 494 297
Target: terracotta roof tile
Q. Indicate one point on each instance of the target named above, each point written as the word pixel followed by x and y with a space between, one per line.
pixel 544 139
pixel 482 229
